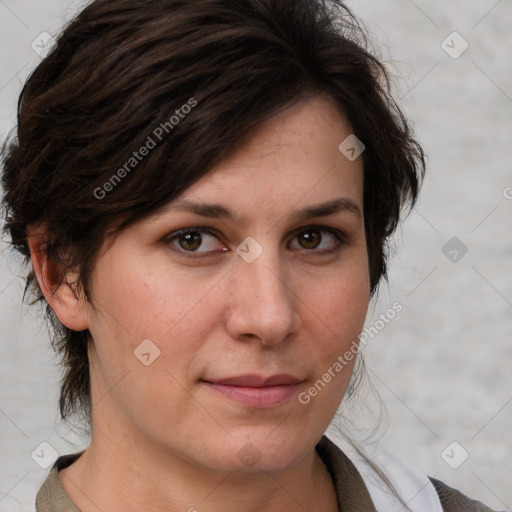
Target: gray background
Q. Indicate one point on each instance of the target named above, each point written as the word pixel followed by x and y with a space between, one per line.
pixel 442 366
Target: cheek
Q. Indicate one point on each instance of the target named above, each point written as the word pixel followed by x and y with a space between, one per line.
pixel 336 311
pixel 335 319
pixel 338 303
pixel 134 305
pixel 136 302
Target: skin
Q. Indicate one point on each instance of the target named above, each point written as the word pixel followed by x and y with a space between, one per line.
pixel 162 440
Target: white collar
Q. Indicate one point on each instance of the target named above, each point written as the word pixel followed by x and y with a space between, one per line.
pixel 414 487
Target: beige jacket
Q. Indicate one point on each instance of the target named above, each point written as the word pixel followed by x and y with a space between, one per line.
pixel 353 496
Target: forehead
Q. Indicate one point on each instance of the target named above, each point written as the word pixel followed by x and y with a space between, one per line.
pixel 290 159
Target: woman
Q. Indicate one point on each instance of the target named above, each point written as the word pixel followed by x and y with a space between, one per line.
pixel 204 191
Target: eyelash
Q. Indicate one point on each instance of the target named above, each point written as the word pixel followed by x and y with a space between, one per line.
pixel 340 240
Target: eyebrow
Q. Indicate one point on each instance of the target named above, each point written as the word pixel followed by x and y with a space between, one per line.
pixel 215 210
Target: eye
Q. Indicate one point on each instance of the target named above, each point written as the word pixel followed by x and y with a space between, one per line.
pixel 319 239
pixel 194 240
pixel 202 242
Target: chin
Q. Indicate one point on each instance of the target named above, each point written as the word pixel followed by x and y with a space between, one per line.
pixel 259 452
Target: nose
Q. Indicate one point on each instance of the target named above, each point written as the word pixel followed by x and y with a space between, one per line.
pixel 262 301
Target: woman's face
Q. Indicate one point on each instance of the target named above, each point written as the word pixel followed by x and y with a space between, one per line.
pixel 208 343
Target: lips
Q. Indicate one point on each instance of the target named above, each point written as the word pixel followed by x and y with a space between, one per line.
pixel 257 381
pixel 256 391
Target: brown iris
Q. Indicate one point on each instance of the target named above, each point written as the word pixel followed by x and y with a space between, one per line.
pixel 310 239
pixel 190 241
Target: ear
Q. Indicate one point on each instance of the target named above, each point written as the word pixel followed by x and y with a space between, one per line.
pixel 56 288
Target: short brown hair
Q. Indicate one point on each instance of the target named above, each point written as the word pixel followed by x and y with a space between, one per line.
pixel 122 68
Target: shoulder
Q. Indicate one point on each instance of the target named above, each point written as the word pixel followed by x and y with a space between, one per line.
pixel 52 497
pixel 454 501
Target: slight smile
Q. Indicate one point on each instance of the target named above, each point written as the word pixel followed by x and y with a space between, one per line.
pixel 256 391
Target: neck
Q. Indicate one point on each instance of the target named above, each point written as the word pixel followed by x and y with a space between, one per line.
pixel 123 477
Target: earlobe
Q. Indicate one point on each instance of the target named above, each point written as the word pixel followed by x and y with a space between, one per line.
pixel 57 288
